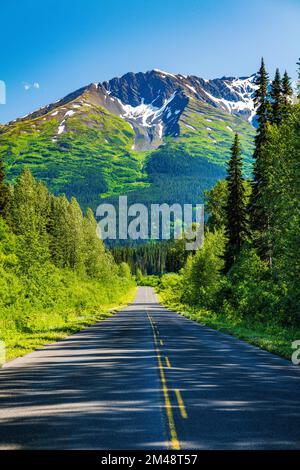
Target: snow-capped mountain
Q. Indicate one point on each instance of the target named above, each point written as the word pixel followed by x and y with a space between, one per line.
pixel 153 102
pixel 154 88
pixel 91 143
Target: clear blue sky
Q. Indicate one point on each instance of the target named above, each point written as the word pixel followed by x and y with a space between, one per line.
pixel 51 47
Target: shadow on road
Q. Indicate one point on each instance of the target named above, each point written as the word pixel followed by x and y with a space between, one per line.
pixel 100 389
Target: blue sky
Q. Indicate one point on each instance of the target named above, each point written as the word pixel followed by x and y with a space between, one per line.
pixel 50 48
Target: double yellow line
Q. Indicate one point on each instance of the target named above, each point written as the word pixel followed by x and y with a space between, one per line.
pixel 168 406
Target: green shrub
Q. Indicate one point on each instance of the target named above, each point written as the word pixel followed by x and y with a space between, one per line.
pixel 201 276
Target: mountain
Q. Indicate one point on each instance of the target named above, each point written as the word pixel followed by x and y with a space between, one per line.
pixel 155 101
pixel 157 136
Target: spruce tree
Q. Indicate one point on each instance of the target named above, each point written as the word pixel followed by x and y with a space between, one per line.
pixel 30 207
pixel 276 100
pixel 262 104
pixel 287 92
pixel 57 229
pixel 96 260
pixel 282 195
pixel 258 215
pixel 4 192
pixel 298 84
pixel 76 236
pixel 236 217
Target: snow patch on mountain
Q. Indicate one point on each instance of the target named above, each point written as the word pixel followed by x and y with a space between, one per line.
pixel 164 74
pixel 243 105
pixel 192 89
pixel 69 113
pixel 146 114
pixel 190 127
pixel 61 128
pixel 62 125
pixel 160 129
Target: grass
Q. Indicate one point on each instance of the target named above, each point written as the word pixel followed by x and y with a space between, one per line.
pixel 276 339
pixel 19 342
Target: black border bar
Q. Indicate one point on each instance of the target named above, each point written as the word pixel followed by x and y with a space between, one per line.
pixel 148 458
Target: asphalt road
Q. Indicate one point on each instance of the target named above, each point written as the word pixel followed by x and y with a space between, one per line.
pixel 147 378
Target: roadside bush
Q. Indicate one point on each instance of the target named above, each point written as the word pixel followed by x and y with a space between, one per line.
pixel 253 290
pixel 202 274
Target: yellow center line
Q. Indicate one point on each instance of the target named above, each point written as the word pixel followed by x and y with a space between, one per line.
pixel 168 406
pixel 181 404
pixel 168 363
pixel 161 342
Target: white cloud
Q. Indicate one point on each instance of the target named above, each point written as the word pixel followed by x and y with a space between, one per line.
pixel 28 86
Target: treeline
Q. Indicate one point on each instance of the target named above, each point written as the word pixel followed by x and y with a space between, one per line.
pixel 53 265
pixel 249 265
pixel 152 258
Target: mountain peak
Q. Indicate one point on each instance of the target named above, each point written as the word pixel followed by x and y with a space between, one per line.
pixel 164 73
pixel 153 102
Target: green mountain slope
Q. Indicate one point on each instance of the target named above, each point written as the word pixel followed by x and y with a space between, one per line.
pixel 208 132
pixel 79 147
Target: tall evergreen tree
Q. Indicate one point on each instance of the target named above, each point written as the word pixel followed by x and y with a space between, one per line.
pixel 276 100
pixel 4 192
pixel 98 262
pixel 215 203
pixel 298 84
pixel 236 217
pixel 29 209
pixel 76 234
pixel 59 232
pixel 257 209
pixel 282 195
pixel 287 92
pixel 261 103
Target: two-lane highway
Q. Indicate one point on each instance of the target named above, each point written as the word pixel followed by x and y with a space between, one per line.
pixel 147 378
